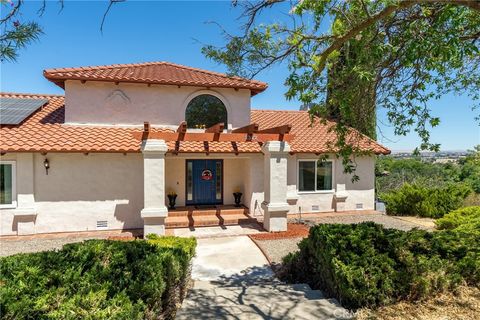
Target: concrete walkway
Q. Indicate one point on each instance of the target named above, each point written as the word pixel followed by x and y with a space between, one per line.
pixel 233 280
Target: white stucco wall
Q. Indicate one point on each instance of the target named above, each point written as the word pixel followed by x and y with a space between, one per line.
pixel 80 190
pixel 98 102
pixel 360 192
pixel 83 189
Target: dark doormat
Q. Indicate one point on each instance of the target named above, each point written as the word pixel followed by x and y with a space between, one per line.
pixel 206 206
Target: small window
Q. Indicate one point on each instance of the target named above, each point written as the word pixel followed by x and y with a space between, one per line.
pixel 7 184
pixel 315 175
pixel 204 111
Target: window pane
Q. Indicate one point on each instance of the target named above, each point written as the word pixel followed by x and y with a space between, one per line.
pixel 6 184
pixel 218 181
pixel 306 176
pixel 324 175
pixel 204 111
pixel 189 181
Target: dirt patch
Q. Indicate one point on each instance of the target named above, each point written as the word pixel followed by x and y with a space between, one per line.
pixel 294 230
pixel 463 303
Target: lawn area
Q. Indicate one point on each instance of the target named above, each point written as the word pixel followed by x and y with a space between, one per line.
pixel 98 279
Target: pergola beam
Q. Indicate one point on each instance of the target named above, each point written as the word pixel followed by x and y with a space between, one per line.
pixel 284 129
pixel 216 128
pixel 182 128
pixel 250 129
pixel 200 136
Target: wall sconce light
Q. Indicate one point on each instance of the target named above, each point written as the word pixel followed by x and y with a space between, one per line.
pixel 46 164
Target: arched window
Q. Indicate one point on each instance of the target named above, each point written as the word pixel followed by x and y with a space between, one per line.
pixel 204 111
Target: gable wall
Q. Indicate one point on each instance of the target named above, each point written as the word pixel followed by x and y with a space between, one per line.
pixel 95 102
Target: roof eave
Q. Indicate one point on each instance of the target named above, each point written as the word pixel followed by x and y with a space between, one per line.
pixel 60 81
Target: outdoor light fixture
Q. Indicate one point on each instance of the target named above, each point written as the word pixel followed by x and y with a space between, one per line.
pixel 46 164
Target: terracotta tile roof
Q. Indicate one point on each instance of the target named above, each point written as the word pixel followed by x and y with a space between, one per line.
pixel 153 73
pixel 46 131
pixel 308 137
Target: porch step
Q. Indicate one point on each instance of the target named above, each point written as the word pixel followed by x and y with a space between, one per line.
pixel 207 220
pixel 207 211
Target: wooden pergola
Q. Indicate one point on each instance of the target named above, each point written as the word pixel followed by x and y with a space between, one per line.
pixel 249 133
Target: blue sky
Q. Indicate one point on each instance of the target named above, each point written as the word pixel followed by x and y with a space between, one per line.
pixel 138 31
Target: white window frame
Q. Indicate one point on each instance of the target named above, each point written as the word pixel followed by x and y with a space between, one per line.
pixel 316 191
pixel 14 185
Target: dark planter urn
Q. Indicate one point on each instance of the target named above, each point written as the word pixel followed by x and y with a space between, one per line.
pixel 238 198
pixel 172 198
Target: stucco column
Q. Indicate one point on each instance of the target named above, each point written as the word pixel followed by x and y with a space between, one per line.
pixel 154 211
pixel 275 204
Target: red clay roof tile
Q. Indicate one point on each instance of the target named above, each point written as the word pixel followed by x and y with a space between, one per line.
pixel 311 137
pixel 45 131
pixel 164 73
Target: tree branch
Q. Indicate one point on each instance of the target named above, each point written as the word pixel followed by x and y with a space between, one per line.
pixel 339 42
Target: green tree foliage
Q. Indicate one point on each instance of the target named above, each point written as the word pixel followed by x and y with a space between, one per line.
pixel 205 111
pixel 96 279
pixel 348 58
pixel 366 265
pixel 464 219
pixel 15 34
pixel 432 202
pixel 416 187
pixel 470 169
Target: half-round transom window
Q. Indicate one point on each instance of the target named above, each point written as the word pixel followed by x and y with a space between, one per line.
pixel 204 111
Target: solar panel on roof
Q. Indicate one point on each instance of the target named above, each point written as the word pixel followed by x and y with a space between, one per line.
pixel 14 110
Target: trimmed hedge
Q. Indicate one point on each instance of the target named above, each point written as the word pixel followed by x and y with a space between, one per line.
pixel 367 265
pixel 96 279
pixel 417 200
pixel 464 219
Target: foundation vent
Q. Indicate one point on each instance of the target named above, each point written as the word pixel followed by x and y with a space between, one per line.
pixel 315 208
pixel 102 224
pixel 359 206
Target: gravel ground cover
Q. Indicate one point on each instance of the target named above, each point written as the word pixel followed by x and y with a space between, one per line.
pixel 275 250
pixel 387 221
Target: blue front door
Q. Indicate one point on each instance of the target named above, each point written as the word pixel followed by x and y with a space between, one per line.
pixel 204 182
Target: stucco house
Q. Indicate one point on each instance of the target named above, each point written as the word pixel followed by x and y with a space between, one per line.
pixel 107 153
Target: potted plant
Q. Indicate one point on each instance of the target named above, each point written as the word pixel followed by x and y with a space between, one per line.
pixel 238 197
pixel 172 198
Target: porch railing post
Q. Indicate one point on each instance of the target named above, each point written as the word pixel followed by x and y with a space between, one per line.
pixel 275 204
pixel 154 211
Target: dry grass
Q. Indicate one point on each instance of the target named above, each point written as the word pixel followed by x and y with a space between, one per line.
pixel 463 303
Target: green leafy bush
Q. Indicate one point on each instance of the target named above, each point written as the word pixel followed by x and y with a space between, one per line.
pixel 96 279
pixel 417 200
pixel 368 265
pixel 464 219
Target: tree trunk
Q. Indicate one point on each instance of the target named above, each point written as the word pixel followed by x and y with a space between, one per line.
pixel 351 100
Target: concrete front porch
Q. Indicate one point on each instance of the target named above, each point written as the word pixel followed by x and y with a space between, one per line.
pixel 212 180
pixel 207 216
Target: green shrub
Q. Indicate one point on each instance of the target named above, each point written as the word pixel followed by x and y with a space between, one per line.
pixel 464 219
pixel 417 200
pixel 96 279
pixel 368 265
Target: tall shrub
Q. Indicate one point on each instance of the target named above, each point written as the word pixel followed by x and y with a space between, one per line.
pixel 417 200
pixel 96 279
pixel 368 265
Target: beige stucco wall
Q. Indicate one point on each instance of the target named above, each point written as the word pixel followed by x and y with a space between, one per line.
pixel 80 190
pixel 98 102
pixel 83 189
